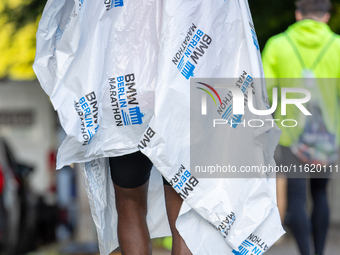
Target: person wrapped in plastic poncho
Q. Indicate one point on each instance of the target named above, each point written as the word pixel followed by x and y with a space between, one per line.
pixel 118 73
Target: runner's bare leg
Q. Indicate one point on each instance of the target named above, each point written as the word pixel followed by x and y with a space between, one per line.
pixel 173 205
pixel 133 233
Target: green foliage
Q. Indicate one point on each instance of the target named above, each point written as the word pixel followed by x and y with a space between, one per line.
pixel 18 25
pixel 334 22
pixel 26 12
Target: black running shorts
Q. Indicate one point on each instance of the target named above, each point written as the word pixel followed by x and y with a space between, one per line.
pixel 130 170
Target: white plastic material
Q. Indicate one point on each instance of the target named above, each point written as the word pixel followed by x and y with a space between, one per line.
pixel 101 196
pixel 235 207
pixel 98 64
pixel 118 72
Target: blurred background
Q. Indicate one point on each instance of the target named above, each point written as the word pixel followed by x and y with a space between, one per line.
pixel 43 211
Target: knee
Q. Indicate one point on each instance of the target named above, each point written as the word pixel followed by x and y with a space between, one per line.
pixel 131 209
pixel 131 203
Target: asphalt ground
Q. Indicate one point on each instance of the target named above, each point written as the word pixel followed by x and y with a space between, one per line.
pixel 285 246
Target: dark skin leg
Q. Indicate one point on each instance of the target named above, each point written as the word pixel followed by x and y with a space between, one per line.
pixel 173 205
pixel 133 233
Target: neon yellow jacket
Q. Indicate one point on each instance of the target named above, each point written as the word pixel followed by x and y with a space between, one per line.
pixel 280 61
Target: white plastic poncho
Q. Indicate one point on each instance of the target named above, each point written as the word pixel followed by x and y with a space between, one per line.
pixel 98 64
pixel 101 61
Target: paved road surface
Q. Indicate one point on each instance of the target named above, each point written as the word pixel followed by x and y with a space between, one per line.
pixel 285 246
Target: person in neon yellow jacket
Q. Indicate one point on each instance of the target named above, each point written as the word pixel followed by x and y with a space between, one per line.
pixel 280 61
pixel 308 46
